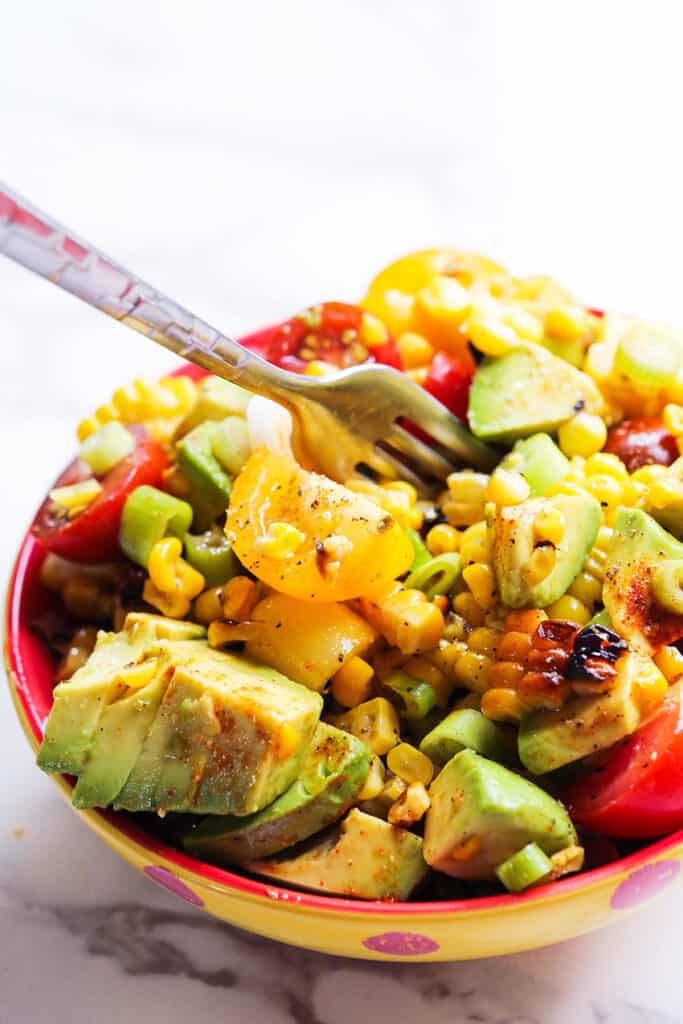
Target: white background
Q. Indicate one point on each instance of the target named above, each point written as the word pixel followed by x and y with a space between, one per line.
pixel 250 159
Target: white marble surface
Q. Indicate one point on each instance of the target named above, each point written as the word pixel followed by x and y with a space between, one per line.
pixel 251 158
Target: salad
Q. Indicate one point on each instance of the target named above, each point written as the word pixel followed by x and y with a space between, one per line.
pixel 347 686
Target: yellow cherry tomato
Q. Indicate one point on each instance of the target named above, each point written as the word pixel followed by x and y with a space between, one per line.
pixel 309 537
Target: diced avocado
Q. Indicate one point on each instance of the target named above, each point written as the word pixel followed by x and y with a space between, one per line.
pixel 540 462
pixel 164 629
pixel 216 399
pixel 638 547
pixel 364 858
pixel 526 391
pixel 466 729
pixel 551 739
pixel 210 484
pixel 664 499
pixel 482 813
pixel 332 775
pixel 513 543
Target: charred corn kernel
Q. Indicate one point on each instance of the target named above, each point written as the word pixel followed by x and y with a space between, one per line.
pixel 539 565
pixel 467 849
pixel 372 331
pixel 491 335
pixel 443 302
pixel 586 588
pixel 483 640
pixel 584 434
pixel 566 323
pixel 506 675
pixel 74 498
pixel 415 350
pixel 405 618
pixel 288 741
pixel 507 487
pixel 352 683
pixel 87 598
pixel 502 705
pixel 172 604
pixel 411 806
pixel 569 609
pixel 463 502
pixel 208 606
pixel 169 572
pixel 374 783
pixel 472 671
pixel 550 524
pixel 466 605
pixel 239 596
pixel 673 418
pixel 566 861
pixel 418 375
pixel 138 676
pixel 319 368
pixel 410 764
pixel 482 583
pixel 526 621
pixel 375 722
pixel 669 661
pixel 513 645
pixel 281 541
pixel 442 539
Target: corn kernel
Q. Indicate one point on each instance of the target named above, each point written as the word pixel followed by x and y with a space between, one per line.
pixel 138 676
pixel 415 350
pixel 172 604
pixel 524 323
pixel 648 474
pixel 491 335
pixel 405 618
pixel 669 661
pixel 539 565
pixel 502 705
pixel 525 621
pixel 352 683
pixel 606 464
pixel 393 788
pixel 418 375
pixel 74 498
pixel 411 806
pixel 238 599
pixel 550 524
pixel 208 606
pixel 673 418
pixel 481 581
pixel 463 504
pixel 375 722
pixel 472 671
pixel 482 640
pixel 475 548
pixel 650 686
pixel 605 489
pixel 319 368
pixel 402 487
pixel 584 434
pixel 442 539
pixel 435 672
pixel 507 487
pixel 662 492
pixel 442 303
pixel 471 611
pixel 281 540
pixel 372 331
pixel 410 764
pixel 506 675
pixel 566 861
pixel 569 609
pixel 513 645
pixel 566 323
pixel 587 588
pixel 374 783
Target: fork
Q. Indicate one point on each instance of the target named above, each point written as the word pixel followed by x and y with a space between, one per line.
pixel 349 420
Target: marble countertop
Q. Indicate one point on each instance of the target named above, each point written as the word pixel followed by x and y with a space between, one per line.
pixel 251 159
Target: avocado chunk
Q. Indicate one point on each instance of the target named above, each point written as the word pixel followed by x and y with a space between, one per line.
pixel 527 391
pixel 482 813
pixel 540 462
pixel 363 858
pixel 210 484
pixel 216 399
pixel 549 740
pixel 332 775
pixel 463 729
pixel 664 499
pixel 513 543
pixel 639 547
pixel 164 629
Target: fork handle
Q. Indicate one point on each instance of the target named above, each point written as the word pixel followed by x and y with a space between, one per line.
pixel 36 241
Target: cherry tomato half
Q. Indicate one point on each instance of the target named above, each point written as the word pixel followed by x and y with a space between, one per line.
pixel 93 535
pixel 638 794
pixel 449 381
pixel 642 442
pixel 331 332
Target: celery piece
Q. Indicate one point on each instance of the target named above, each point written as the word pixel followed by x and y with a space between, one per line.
pixel 648 357
pixel 416 698
pixel 148 515
pixel 420 553
pixel 437 576
pixel 106 447
pixel 528 866
pixel 230 443
pixel 211 554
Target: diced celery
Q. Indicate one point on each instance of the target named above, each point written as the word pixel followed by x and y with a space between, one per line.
pixel 107 447
pixel 211 554
pixel 417 698
pixel 421 554
pixel 148 515
pixel 230 443
pixel 437 576
pixel 648 357
pixel 528 866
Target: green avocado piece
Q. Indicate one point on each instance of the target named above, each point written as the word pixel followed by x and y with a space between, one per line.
pixel 332 775
pixel 511 535
pixel 548 740
pixel 638 547
pixel 540 462
pixel 466 729
pixel 362 858
pixel 216 399
pixel 210 484
pixel 526 391
pixel 164 629
pixel 482 813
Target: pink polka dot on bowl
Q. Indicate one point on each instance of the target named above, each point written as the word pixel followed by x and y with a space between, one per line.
pixel 163 877
pixel 401 944
pixel 645 883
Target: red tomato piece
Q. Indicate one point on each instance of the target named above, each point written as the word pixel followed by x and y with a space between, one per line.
pixel 638 794
pixel 93 535
pixel 642 442
pixel 449 381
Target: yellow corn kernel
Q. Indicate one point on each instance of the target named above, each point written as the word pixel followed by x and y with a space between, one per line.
pixel 550 524
pixel 606 464
pixel 482 640
pixel 281 540
pixel 87 427
pixel 525 621
pixel 138 676
pixel 566 323
pixel 566 861
pixel 502 705
pixel 669 661
pixel 319 368
pixel 402 487
pixel 472 671
pixel 605 489
pixel 437 675
pixel 463 503
pixel 169 572
pixel 171 604
pixel 587 588
pixel 374 783
pixel 410 764
pixel 352 683
pixel 442 539
pixel 184 391
pixel 523 322
pixel 393 788
pixel 482 583
pixel 540 564
pixel 223 633
pixel 569 609
pixel 673 418
pixel 507 487
pixel 208 606
pixel 388 661
pixel 418 375
pixel 491 335
pixel 659 494
pixel 506 675
pixel 375 722
pixel 475 548
pixel 415 350
pixel 513 645
pixel 648 474
pixel 372 331
pixel 650 687
pixel 442 303
pixel 466 605
pixel 239 597
pixel 411 806
pixel 405 618
pixel 74 498
pixel 287 741
pixel 584 435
